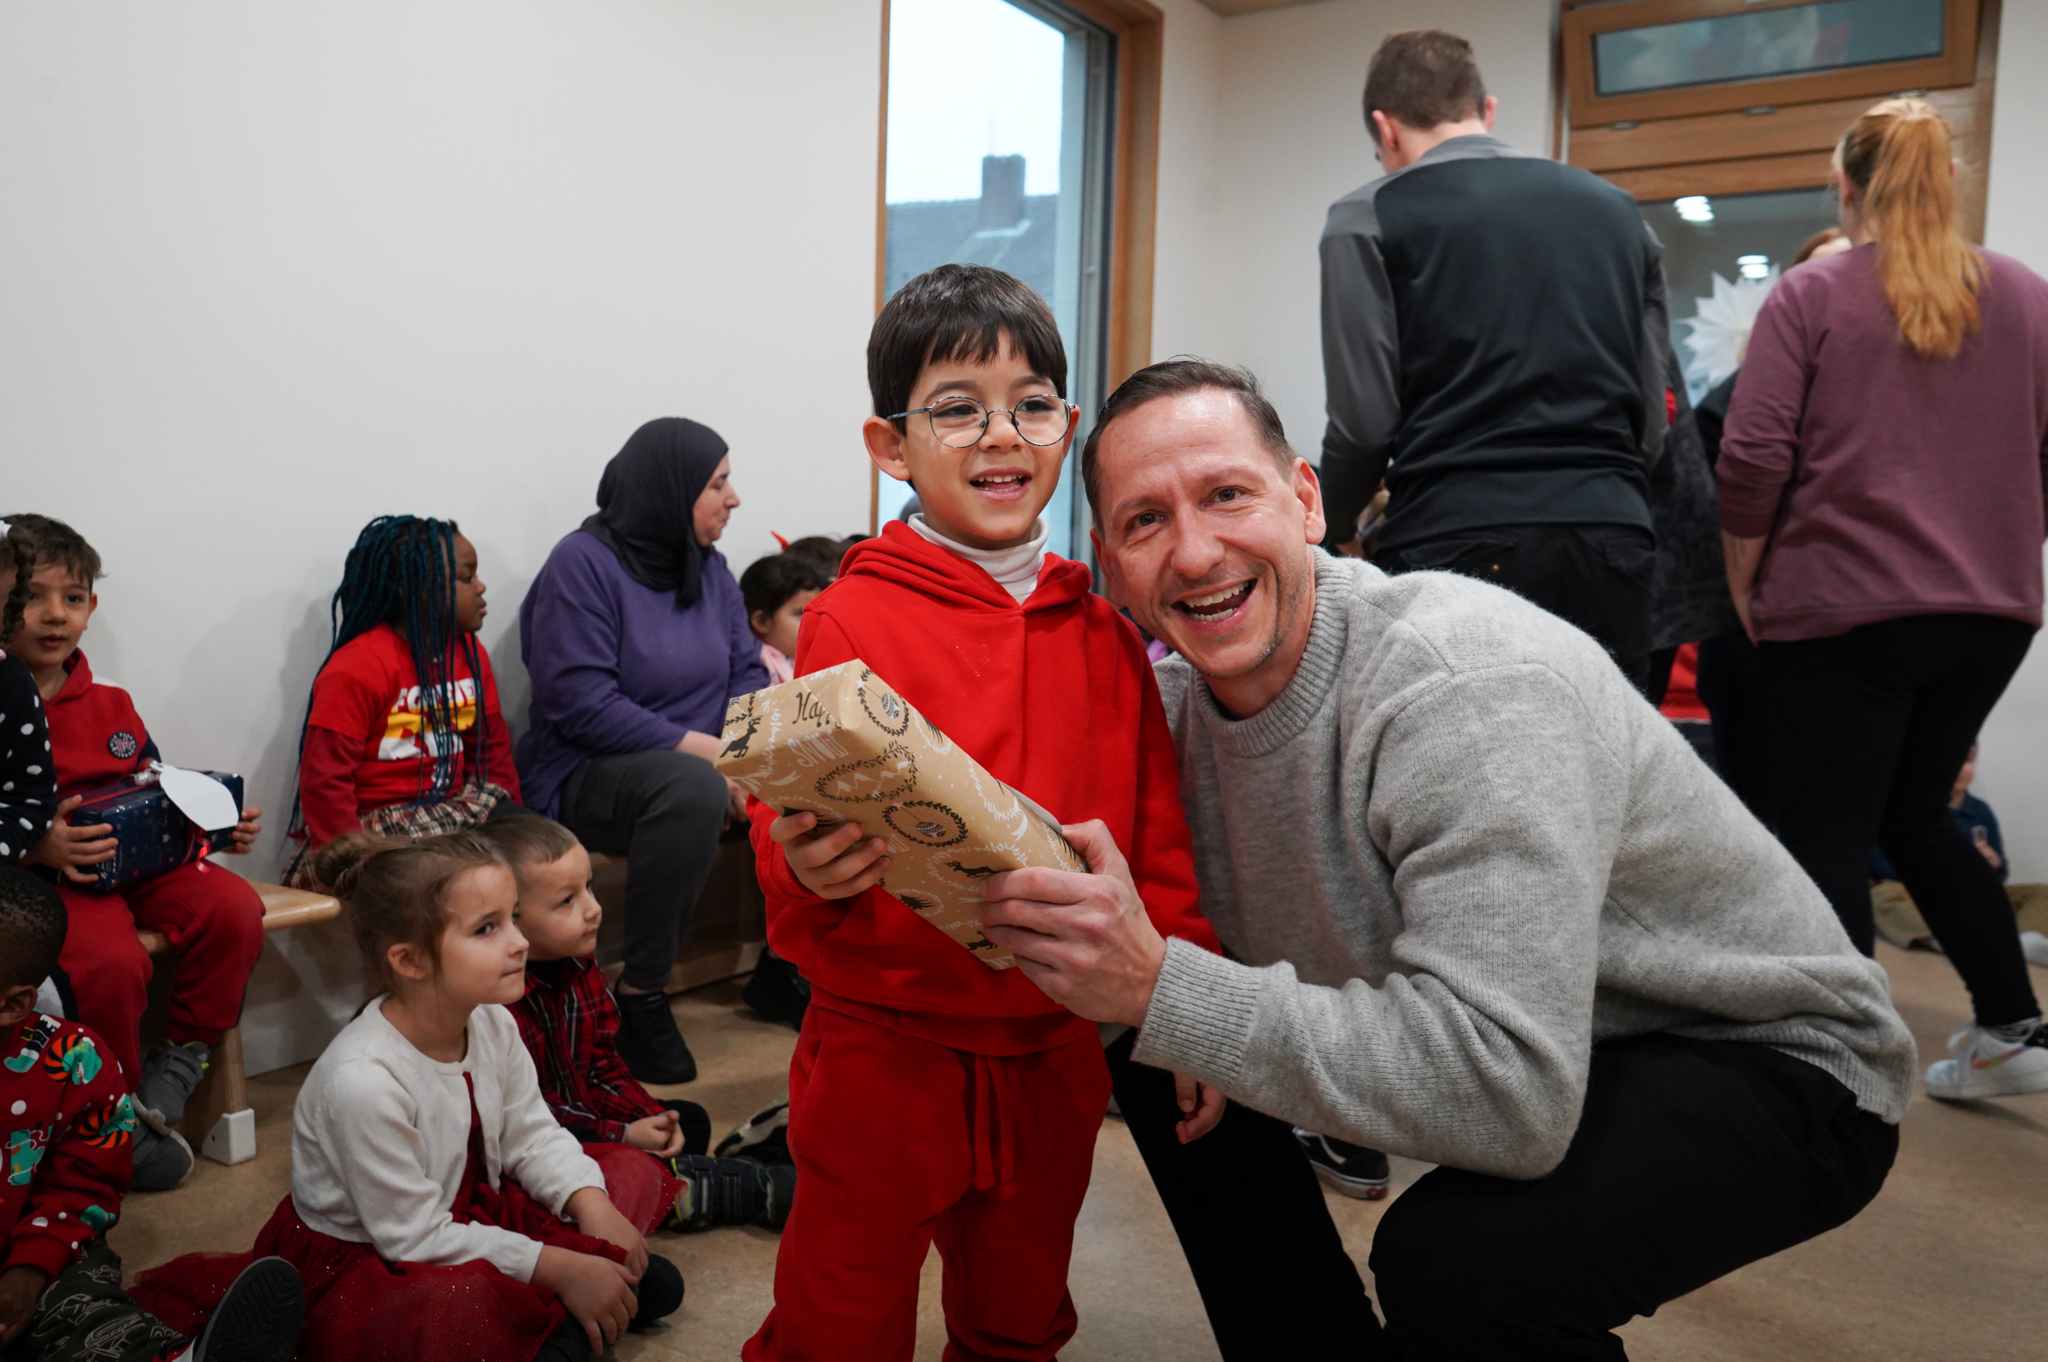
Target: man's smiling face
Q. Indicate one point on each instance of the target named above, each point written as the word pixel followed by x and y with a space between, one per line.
pixel 1204 535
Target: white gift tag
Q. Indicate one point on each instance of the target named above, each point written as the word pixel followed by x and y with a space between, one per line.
pixel 199 797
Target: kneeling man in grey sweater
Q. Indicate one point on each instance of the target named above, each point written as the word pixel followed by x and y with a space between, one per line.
pixel 1482 907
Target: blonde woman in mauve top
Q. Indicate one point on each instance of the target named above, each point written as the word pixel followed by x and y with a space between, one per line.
pixel 1881 507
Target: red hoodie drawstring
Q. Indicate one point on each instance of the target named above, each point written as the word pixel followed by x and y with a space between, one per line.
pixel 994 1128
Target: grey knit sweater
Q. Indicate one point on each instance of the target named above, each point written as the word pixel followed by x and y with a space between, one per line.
pixel 1456 852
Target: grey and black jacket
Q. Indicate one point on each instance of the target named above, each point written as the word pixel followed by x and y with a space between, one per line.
pixel 1494 346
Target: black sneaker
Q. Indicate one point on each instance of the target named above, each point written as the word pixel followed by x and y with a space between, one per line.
pixel 762 1137
pixel 258 1319
pixel 1351 1169
pixel 731 1192
pixel 649 1042
pixel 776 990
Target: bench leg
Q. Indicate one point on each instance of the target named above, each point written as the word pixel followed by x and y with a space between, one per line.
pixel 218 1119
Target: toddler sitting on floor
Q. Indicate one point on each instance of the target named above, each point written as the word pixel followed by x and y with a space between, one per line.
pixel 570 1025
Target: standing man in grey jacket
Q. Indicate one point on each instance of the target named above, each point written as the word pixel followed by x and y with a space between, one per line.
pixel 1481 906
pixel 1494 345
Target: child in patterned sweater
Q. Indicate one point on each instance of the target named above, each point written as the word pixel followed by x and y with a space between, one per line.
pixel 69 1127
pixel 570 1024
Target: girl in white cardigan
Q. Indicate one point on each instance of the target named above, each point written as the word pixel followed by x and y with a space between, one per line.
pixel 430 1183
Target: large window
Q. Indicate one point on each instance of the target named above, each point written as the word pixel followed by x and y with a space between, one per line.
pixel 998 152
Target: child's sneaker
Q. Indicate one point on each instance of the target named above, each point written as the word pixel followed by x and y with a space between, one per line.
pixel 258 1319
pixel 170 1072
pixel 2035 946
pixel 762 1137
pixel 1991 1062
pixel 1350 1169
pixel 162 1158
pixel 731 1192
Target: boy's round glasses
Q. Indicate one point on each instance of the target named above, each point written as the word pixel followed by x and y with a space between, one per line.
pixel 960 422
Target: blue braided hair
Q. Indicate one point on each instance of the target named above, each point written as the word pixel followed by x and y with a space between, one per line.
pixel 401 572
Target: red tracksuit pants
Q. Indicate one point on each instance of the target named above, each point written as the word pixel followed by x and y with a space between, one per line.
pixel 899 1142
pixel 214 922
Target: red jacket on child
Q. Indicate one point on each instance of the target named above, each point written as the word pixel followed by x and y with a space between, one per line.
pixel 96 737
pixel 1056 699
pixel 69 1124
pixel 364 747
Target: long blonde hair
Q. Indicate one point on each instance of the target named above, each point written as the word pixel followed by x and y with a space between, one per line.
pixel 1897 158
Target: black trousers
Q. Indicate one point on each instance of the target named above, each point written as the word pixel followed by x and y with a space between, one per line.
pixel 1691 1159
pixel 1597 577
pixel 1866 732
pixel 663 812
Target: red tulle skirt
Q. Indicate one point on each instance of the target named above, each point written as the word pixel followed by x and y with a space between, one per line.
pixel 359 1307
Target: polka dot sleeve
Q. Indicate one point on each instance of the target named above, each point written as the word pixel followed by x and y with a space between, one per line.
pixel 28 777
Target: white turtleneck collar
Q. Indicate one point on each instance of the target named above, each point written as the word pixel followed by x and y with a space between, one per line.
pixel 1015 569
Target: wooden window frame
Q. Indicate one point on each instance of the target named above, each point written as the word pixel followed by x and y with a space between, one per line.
pixel 1582 22
pixel 1140 30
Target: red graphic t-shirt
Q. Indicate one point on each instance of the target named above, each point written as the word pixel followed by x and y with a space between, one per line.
pixel 367 704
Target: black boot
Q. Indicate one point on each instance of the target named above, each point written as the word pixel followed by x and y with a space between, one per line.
pixel 650 1043
pixel 776 990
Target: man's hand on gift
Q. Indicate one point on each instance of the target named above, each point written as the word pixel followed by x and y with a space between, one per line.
pixel 246 832
pixel 1083 938
pixel 65 848
pixel 833 865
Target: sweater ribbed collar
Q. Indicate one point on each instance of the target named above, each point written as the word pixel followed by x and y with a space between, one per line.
pixel 1322 662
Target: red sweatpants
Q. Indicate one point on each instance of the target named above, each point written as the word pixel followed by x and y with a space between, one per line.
pixel 213 920
pixel 899 1141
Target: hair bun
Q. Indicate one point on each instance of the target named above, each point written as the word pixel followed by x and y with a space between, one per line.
pixel 339 864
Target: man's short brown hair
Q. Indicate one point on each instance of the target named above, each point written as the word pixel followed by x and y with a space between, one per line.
pixel 1421 78
pixel 1171 378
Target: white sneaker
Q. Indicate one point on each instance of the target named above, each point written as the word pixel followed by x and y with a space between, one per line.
pixel 1986 1066
pixel 2035 946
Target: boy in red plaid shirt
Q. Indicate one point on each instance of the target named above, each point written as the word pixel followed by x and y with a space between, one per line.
pixel 570 1024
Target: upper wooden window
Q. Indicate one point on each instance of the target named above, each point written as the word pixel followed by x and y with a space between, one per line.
pixel 1653 59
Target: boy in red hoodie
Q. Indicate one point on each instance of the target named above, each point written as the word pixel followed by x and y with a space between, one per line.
pixel 931 1096
pixel 212 918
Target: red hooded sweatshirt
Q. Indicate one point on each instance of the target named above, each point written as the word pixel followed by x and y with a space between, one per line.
pixel 1055 698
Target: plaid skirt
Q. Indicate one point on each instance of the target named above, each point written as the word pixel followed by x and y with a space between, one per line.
pixel 469 807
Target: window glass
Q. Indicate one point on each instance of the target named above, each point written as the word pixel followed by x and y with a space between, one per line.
pixel 1722 257
pixel 1774 42
pixel 998 154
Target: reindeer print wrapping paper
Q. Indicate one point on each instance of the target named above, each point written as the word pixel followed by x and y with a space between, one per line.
pixel 844 745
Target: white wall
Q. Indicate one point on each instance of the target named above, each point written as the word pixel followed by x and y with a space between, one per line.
pixel 1293 140
pixel 268 271
pixel 1186 268
pixel 2012 770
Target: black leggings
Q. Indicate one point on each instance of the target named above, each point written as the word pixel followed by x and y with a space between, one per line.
pixel 1866 733
pixel 663 812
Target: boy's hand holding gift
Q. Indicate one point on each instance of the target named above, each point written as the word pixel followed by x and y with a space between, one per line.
pixel 246 832
pixel 65 848
pixel 833 865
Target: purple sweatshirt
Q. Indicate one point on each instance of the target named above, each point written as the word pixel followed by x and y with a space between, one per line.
pixel 616 667
pixel 1889 484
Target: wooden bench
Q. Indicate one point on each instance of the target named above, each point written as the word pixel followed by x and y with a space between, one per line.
pixel 218 1119
pixel 727 933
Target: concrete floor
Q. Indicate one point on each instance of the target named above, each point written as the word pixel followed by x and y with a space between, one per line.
pixel 1946 1264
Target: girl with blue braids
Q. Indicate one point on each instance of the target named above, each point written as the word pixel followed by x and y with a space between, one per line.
pixel 403 736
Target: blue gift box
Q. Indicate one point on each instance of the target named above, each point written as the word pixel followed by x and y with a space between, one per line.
pixel 152 834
